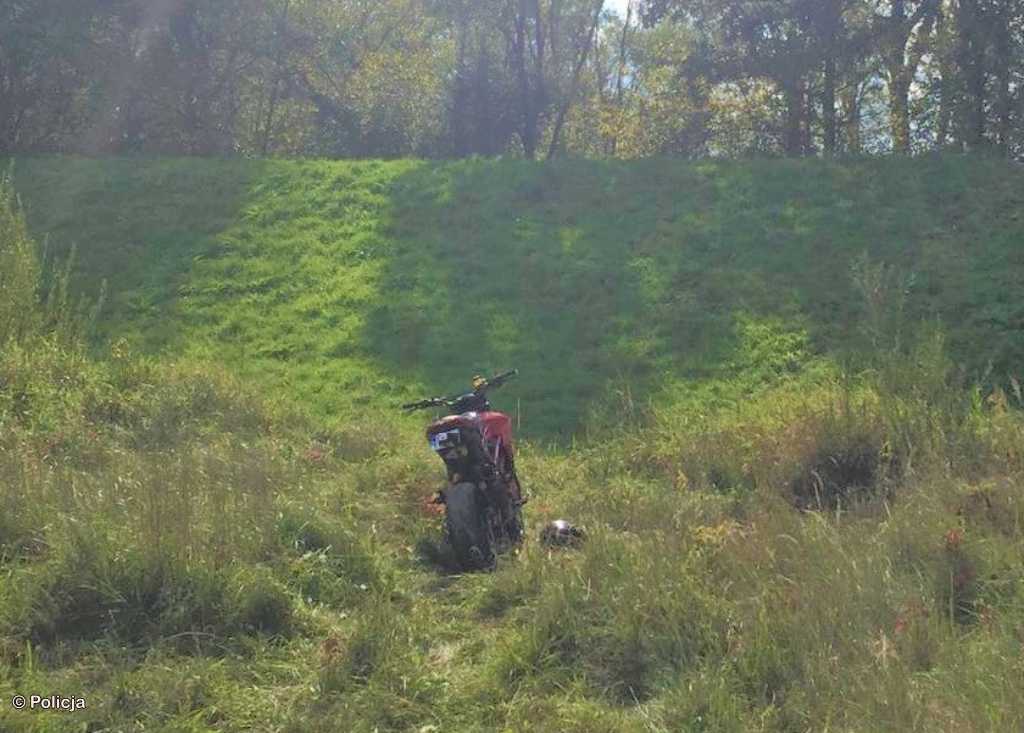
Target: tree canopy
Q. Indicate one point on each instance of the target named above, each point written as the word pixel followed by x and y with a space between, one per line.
pixel 537 78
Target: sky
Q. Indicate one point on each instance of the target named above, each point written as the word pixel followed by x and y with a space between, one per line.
pixel 618 6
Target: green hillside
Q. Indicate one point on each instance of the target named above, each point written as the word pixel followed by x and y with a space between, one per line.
pixel 784 398
pixel 349 286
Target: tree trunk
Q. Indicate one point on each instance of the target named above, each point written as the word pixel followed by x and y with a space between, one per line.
pixel 528 129
pixel 489 137
pixel 899 111
pixel 828 104
pixel 976 97
pixel 275 90
pixel 1004 101
pixel 899 87
pixel 460 92
pixel 946 80
pixel 832 34
pixel 793 137
pixel 851 119
pixel 809 118
pixel 577 70
pixel 972 65
pixel 902 62
pixel 537 89
pixel 620 74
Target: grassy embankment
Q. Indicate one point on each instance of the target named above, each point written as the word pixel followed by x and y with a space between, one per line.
pixel 803 512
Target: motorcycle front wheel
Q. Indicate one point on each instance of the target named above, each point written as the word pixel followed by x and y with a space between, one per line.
pixel 468 531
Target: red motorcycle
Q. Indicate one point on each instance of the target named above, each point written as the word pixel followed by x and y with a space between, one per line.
pixel 483 500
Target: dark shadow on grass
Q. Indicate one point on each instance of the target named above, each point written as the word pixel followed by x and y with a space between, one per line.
pixel 553 269
pixel 591 274
pixel 140 225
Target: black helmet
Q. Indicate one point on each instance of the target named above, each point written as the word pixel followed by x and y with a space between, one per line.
pixel 561 533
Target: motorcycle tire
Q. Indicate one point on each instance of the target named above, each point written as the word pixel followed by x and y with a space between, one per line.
pixel 468 533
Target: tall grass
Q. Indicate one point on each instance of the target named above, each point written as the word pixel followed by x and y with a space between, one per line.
pixel 136 495
pixel 19 270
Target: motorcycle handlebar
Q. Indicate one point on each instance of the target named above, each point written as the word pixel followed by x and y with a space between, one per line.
pixel 423 404
pixel 499 380
pixel 493 383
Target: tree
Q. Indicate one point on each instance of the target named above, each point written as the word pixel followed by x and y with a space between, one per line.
pixel 582 42
pixel 904 30
pixel 373 74
pixel 46 59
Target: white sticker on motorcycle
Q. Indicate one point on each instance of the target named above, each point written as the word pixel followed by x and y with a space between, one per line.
pixel 443 440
